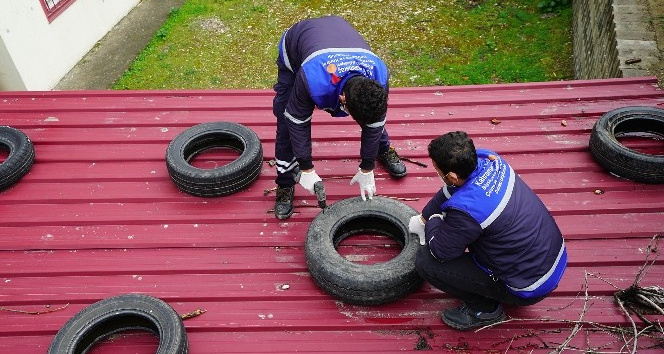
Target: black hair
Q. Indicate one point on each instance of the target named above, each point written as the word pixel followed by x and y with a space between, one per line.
pixel 454 152
pixel 366 100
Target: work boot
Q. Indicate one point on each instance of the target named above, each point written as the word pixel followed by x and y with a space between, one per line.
pixel 392 163
pixel 283 206
pixel 464 318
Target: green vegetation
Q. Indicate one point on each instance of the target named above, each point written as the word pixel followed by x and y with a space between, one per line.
pixel 233 43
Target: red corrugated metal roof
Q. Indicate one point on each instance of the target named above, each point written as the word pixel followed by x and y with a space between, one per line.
pixel 98 216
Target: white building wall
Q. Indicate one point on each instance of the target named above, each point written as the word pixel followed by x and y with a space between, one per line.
pixel 36 54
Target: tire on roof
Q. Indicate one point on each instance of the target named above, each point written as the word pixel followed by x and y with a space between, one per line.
pixel 223 180
pixel 122 313
pixel 20 159
pixel 621 160
pixel 356 283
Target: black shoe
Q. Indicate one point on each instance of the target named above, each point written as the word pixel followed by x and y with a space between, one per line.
pixel 464 318
pixel 283 206
pixel 392 163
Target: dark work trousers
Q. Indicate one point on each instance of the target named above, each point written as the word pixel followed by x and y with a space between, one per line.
pixel 286 162
pixel 466 281
pixel 283 152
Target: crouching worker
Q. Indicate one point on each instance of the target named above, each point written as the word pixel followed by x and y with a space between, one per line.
pixel 488 238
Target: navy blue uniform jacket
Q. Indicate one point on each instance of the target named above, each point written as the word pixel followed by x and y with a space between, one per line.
pixel 324 53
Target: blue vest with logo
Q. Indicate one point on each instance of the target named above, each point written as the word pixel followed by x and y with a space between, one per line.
pixel 327 71
pixel 484 196
pixel 486 191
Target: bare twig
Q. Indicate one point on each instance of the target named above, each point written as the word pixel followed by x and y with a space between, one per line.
pixel 510 345
pixel 652 248
pixel 571 302
pixel 616 296
pixel 554 320
pixel 398 198
pixel 577 326
pixel 636 331
pixel 269 190
pixel 421 164
pixel 604 280
pixel 651 303
pixel 34 312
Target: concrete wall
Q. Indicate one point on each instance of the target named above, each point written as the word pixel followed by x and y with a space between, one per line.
pixel 36 54
pixel 613 38
pixel 595 45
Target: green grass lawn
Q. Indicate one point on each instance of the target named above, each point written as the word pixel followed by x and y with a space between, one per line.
pixel 228 44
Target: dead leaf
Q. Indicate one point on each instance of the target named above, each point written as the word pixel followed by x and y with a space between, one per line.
pixel 196 313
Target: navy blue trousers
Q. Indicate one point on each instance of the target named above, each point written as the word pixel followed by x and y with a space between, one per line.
pixel 466 281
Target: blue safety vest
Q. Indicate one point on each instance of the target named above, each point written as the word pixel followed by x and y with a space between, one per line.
pixel 327 70
pixel 486 192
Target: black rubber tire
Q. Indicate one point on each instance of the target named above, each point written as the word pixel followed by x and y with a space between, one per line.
pixel 620 160
pixel 223 180
pixel 355 283
pixel 20 159
pixel 122 313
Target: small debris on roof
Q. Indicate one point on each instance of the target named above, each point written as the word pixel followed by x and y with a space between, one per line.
pixel 495 121
pixel 268 191
pixel 189 315
pixel 421 164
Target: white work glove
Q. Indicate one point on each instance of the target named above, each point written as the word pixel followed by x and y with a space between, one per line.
pixel 308 179
pixel 416 226
pixel 367 183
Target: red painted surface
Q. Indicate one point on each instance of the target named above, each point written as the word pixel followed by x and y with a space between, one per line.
pixel 98 216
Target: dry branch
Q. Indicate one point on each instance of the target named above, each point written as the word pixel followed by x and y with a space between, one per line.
pixel 34 312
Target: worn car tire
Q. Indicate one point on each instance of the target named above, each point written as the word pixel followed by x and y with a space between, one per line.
pixel 356 283
pixel 620 160
pixel 222 180
pixel 121 313
pixel 20 159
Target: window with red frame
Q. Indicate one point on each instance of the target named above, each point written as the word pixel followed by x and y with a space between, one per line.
pixel 53 8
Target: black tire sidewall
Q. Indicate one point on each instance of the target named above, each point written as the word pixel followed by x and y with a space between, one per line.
pixel 105 318
pixel 20 159
pixel 223 180
pixel 357 283
pixel 617 158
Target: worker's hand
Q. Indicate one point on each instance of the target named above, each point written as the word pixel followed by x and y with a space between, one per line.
pixel 416 226
pixel 367 183
pixel 308 179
